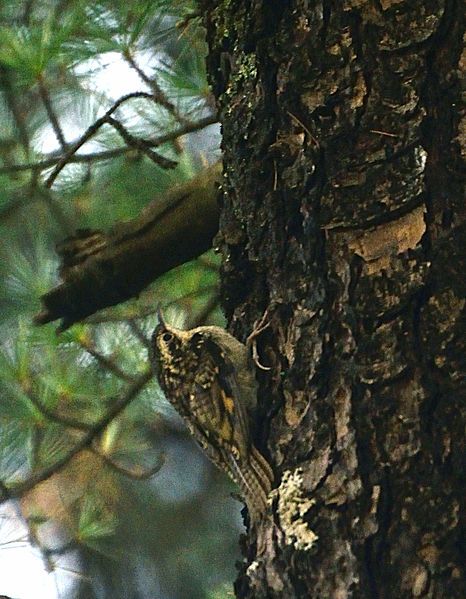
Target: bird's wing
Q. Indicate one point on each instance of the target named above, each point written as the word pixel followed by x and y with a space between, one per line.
pixel 218 406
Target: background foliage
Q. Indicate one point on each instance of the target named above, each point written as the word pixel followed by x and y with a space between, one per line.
pixel 137 511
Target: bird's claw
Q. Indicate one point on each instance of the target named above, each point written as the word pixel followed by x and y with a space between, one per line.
pixel 259 326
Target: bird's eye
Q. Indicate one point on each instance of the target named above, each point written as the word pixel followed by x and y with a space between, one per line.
pixel 167 337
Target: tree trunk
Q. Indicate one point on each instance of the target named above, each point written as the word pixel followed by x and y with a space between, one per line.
pixel 342 218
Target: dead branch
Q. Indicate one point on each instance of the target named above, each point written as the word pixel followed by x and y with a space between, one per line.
pixel 103 269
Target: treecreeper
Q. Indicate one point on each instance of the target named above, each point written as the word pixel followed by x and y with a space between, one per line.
pixel 208 376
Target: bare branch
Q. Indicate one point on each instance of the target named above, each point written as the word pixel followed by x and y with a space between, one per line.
pixel 159 95
pixel 109 154
pixel 143 145
pixel 92 130
pixel 103 269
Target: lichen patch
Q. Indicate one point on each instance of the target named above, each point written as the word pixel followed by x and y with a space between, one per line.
pixel 293 505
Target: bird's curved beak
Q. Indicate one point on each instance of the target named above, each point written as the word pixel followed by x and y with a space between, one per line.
pixel 160 317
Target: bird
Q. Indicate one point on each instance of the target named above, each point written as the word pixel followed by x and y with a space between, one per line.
pixel 208 376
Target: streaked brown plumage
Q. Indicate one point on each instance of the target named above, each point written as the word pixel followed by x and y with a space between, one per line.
pixel 207 376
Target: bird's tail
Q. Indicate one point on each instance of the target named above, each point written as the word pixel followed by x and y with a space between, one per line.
pixel 254 477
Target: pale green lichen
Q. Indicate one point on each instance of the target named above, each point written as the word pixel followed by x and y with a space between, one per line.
pixel 220 19
pixel 252 568
pixel 293 505
pixel 246 72
pixel 248 67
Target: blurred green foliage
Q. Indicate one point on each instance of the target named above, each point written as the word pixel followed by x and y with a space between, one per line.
pixel 139 508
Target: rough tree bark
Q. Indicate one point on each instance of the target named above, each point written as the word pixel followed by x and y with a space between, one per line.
pixel 343 216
